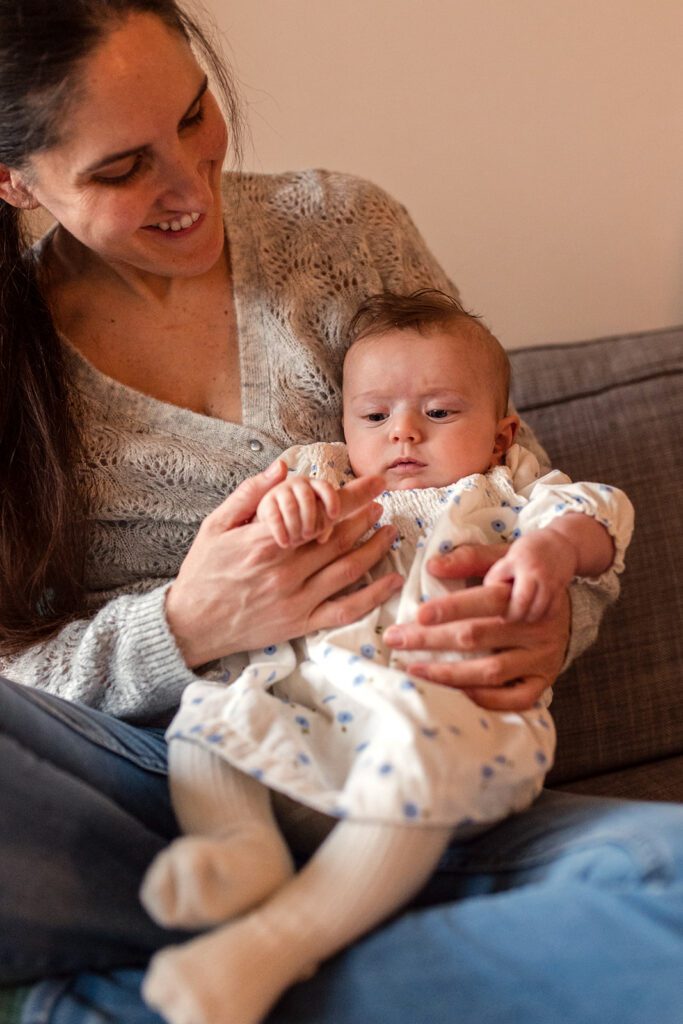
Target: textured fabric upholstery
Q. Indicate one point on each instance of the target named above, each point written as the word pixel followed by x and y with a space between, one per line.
pixel 612 410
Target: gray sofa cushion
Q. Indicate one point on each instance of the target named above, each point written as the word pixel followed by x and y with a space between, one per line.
pixel 612 410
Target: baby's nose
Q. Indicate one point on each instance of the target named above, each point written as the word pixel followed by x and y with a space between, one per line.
pixel 405 428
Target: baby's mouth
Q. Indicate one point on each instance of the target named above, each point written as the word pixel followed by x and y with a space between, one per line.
pixel 406 463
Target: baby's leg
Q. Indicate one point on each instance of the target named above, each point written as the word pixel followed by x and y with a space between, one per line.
pixel 360 875
pixel 232 855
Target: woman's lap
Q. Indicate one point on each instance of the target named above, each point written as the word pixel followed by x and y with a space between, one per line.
pixel 570 911
pixel 84 807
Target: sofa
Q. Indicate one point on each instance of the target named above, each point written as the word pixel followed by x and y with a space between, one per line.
pixel 612 410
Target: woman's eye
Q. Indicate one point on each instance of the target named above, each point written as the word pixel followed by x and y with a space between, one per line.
pixel 121 179
pixel 196 118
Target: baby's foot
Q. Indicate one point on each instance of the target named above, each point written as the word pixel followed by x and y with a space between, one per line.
pixel 205 880
pixel 233 975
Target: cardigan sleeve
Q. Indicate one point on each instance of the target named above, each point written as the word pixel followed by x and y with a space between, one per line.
pixel 124 660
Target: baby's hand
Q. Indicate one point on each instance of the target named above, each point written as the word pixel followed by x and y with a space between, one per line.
pixel 539 566
pixel 298 510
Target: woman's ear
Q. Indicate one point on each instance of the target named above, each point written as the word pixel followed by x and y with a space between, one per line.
pixel 506 430
pixel 15 191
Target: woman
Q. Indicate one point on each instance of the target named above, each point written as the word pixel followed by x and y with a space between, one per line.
pixel 165 342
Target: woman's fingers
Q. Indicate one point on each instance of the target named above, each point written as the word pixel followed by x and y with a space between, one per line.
pixel 241 505
pixel 339 611
pixel 520 696
pixel 466 561
pixel 358 493
pixel 349 567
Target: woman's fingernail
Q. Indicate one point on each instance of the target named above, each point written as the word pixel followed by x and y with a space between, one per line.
pixel 428 615
pixel 393 635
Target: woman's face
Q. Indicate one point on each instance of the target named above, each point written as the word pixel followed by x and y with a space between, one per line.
pixel 141 155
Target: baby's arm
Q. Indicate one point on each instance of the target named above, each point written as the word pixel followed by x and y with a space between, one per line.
pixel 299 510
pixel 541 564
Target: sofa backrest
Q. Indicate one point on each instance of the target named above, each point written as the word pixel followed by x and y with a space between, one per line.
pixel 612 410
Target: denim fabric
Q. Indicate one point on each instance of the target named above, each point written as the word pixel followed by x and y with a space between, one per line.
pixel 571 913
pixel 84 807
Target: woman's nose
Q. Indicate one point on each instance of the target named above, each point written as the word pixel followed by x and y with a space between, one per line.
pixel 186 186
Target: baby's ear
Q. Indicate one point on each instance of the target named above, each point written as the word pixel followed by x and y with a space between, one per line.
pixel 506 430
pixel 14 190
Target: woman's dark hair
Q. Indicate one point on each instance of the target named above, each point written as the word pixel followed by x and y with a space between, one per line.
pixel 422 311
pixel 43 506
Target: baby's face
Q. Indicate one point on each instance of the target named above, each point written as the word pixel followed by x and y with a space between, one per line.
pixel 420 410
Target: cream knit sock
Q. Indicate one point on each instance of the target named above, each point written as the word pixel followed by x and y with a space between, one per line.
pixel 232 856
pixel 358 877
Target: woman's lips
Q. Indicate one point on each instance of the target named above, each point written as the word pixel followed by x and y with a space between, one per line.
pixel 182 233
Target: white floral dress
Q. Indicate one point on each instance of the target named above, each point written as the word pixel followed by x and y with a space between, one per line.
pixel 335 721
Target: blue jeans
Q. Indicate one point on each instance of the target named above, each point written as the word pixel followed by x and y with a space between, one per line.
pixel 571 913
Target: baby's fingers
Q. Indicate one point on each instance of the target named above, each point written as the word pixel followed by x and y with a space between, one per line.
pixel 522 599
pixel 329 497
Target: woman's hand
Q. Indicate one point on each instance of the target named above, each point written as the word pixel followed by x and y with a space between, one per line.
pixel 525 657
pixel 238 590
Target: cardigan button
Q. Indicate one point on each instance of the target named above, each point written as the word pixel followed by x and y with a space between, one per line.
pixel 255 445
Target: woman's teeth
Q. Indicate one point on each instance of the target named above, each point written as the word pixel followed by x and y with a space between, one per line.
pixel 177 224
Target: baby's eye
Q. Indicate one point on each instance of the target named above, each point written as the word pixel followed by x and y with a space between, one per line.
pixel 375 417
pixel 439 414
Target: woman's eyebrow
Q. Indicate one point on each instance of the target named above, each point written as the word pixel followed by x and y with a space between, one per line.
pixel 112 158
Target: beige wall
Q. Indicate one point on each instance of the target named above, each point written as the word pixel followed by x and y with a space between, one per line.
pixel 537 143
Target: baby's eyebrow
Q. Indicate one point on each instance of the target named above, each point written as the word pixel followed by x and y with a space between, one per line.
pixel 378 396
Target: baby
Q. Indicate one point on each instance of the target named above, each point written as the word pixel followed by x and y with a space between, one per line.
pixel 335 722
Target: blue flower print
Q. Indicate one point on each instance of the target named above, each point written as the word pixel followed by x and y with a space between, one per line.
pixel 484 723
pixel 272 677
pixel 407 684
pixel 314 469
pixel 410 810
pixel 541 758
pixel 344 717
pixel 353 658
pixel 456 499
pixel 498 525
pixel 560 506
pixel 445 546
pixel 270 649
pixel 199 700
pixel 303 758
pixel 215 737
pixel 359 680
pixel 368 651
pixel 455 730
pixel 256 773
pixel 487 771
pixel 385 769
pixel 362 746
pixel 331 697
pixel 303 723
pixel 420 522
pixel 606 488
pixel 516 533
pixel 430 734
